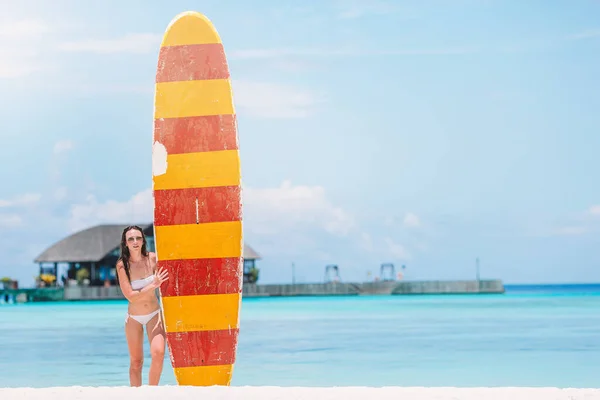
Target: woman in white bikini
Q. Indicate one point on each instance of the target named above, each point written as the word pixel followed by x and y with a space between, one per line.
pixel 138 279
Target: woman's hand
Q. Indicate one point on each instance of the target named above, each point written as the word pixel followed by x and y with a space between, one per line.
pixel 161 276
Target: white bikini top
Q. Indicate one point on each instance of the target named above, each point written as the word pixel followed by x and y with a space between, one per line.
pixel 139 284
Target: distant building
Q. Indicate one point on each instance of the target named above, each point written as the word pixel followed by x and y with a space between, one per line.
pixel 93 254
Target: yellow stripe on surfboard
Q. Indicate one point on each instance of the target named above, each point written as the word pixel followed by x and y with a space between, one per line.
pixel 203 240
pixel 197 98
pixel 204 376
pixel 207 312
pixel 190 27
pixel 200 170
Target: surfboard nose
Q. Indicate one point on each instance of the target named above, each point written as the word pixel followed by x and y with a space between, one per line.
pixel 189 28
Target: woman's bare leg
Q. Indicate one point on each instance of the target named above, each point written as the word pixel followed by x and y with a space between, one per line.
pixel 134 332
pixel 156 337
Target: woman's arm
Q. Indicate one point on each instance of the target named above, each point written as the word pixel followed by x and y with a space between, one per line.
pixel 153 262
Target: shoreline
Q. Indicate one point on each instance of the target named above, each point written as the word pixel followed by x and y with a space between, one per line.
pixel 298 393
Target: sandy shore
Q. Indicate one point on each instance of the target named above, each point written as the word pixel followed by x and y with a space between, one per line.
pixel 295 393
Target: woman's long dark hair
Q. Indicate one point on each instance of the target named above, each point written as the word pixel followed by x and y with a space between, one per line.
pixel 125 250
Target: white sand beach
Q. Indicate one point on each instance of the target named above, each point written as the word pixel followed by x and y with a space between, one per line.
pixel 295 393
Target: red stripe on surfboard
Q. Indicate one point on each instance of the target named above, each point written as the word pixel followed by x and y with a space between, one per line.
pixel 201 276
pixel 196 134
pixel 191 63
pixel 215 204
pixel 202 348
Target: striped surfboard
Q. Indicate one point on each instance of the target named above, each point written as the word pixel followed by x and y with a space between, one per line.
pixel 197 202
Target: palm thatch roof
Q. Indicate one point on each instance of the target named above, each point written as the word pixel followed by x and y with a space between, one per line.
pixel 250 254
pixel 95 243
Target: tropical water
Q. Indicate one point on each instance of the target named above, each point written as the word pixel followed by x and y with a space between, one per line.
pixel 529 336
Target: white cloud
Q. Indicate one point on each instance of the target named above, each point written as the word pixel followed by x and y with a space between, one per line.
pixel 137 209
pixel 93 89
pixel 267 53
pixel 396 250
pixel 13 219
pixel 271 100
pixel 587 34
pixel 21 200
pixel 137 43
pixel 411 220
pixel 354 9
pixel 343 51
pixel 287 208
pixel 27 45
pixel 570 231
pixel 594 210
pixel 584 223
pixel 386 247
pixel 366 242
pixel 63 146
pixel 23 29
pixel 14 67
pixel 59 150
pixel 10 220
pixel 21 43
pixel 60 193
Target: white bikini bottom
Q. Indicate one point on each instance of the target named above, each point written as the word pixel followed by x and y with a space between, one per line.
pixel 143 319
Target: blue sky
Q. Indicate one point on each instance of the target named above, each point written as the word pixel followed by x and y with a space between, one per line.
pixel 395 131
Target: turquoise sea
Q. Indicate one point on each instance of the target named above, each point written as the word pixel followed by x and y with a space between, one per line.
pixel 529 336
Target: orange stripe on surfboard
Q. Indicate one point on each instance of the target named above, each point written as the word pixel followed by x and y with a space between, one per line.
pixel 209 375
pixel 197 134
pixel 207 240
pixel 193 98
pixel 196 170
pixel 206 312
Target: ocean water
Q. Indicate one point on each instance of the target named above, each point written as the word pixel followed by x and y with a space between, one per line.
pixel 529 336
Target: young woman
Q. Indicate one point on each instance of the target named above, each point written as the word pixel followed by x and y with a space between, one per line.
pixel 138 279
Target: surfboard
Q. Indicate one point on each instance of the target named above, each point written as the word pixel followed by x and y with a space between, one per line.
pixel 197 202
